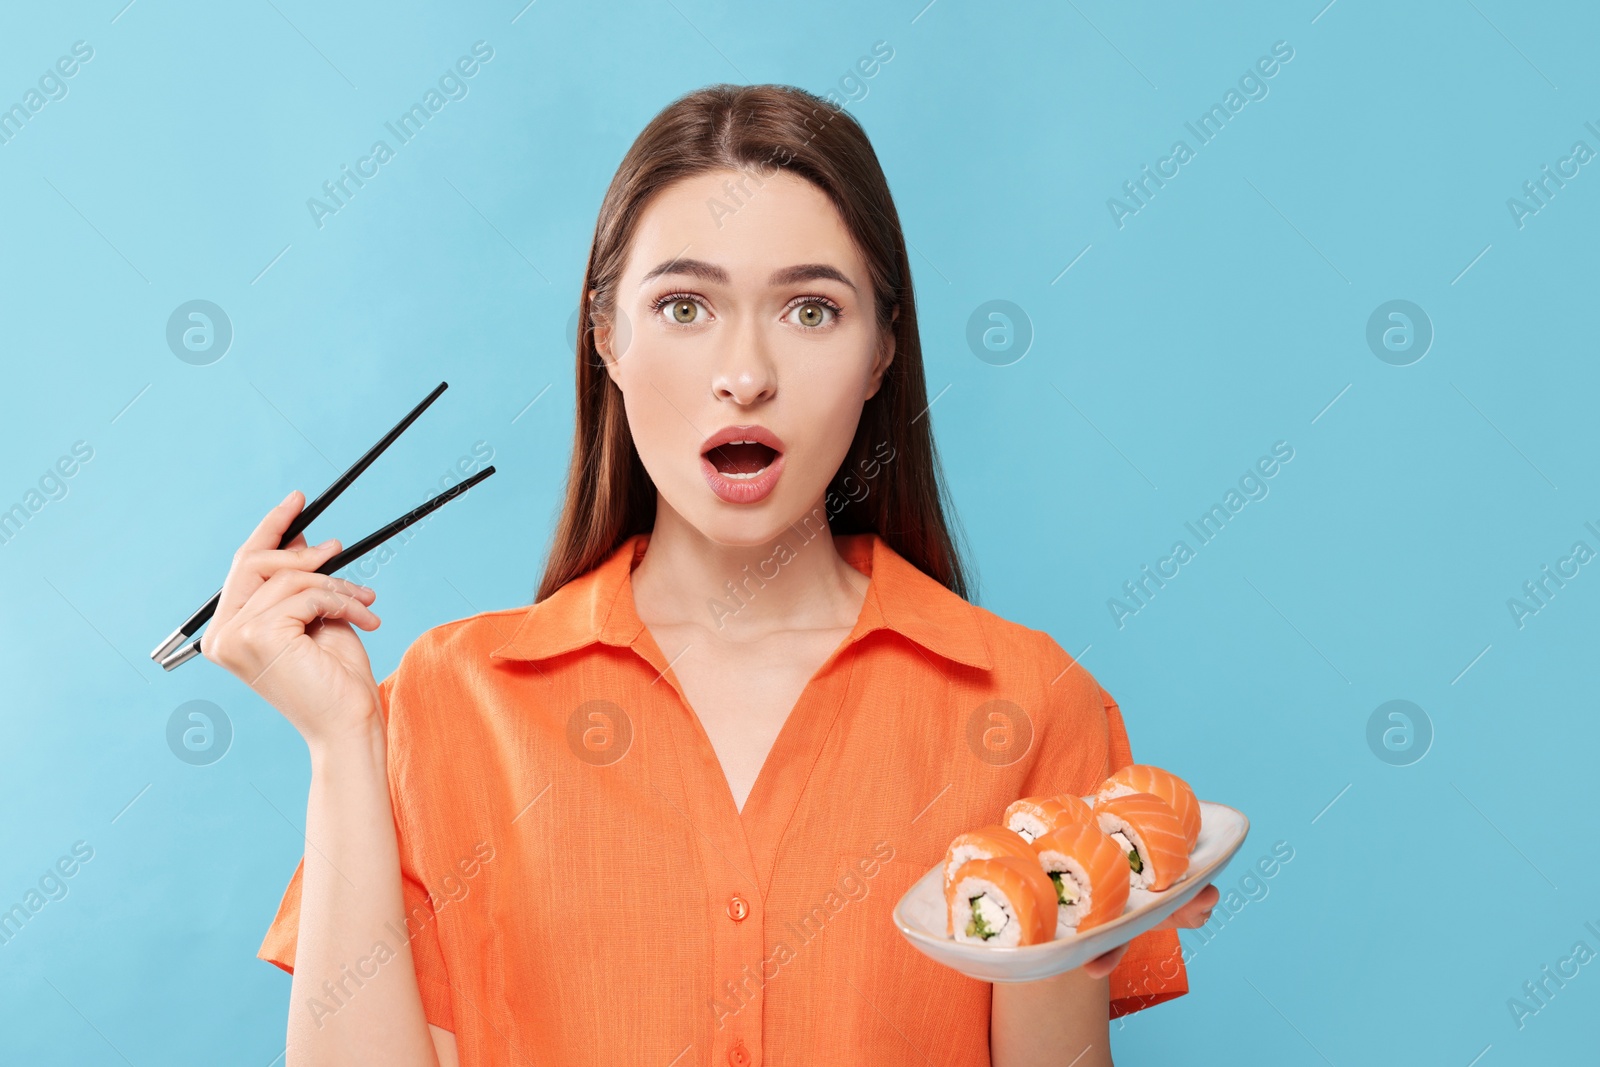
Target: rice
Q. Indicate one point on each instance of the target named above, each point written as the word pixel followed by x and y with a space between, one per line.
pixel 1028 825
pixel 1074 885
pixel 1127 839
pixel 973 893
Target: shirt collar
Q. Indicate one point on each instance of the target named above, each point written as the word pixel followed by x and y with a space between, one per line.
pixel 598 607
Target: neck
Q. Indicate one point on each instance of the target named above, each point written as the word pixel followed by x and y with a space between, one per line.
pixel 796 580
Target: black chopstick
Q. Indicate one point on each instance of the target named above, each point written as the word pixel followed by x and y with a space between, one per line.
pixel 301 521
pixel 378 537
pixel 343 559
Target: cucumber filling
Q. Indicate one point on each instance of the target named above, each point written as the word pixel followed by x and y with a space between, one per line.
pixel 1133 854
pixel 1066 891
pixel 988 918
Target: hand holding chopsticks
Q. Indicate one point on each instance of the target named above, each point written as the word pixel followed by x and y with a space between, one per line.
pixel 165 654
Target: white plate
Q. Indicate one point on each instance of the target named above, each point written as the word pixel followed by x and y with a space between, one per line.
pixel 920 914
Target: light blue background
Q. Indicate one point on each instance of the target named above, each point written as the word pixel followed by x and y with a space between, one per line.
pixel 1228 314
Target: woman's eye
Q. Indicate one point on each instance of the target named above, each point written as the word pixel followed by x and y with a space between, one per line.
pixel 813 314
pixel 684 311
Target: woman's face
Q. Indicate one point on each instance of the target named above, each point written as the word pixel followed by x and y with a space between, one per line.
pixel 746 315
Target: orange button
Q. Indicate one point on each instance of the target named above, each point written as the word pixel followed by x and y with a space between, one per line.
pixel 737 1056
pixel 737 908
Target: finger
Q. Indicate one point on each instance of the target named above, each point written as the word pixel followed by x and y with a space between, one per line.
pixel 301 620
pixel 245 638
pixel 267 534
pixel 314 605
pixel 288 607
pixel 270 530
pixel 1200 907
pixel 1105 963
pixel 252 567
pixel 1195 912
pixel 265 562
pixel 287 584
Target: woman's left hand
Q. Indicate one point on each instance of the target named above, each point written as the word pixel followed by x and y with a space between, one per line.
pixel 1197 912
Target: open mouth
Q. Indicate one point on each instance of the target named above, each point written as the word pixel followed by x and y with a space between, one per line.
pixel 742 463
pixel 741 460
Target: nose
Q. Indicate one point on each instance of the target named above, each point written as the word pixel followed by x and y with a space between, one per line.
pixel 744 372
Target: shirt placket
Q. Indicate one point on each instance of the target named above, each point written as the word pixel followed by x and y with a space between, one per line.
pixel 734 905
pixel 736 1010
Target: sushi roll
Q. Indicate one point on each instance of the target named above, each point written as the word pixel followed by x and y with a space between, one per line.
pixel 1089 872
pixel 1032 817
pixel 1149 833
pixel 1005 902
pixel 1145 778
pixel 986 842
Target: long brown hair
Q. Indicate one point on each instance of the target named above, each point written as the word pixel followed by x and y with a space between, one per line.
pixel 609 496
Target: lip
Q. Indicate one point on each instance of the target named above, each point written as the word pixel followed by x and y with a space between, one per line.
pixel 743 491
pixel 750 432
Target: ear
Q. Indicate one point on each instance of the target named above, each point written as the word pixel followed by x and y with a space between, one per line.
pixel 885 356
pixel 603 337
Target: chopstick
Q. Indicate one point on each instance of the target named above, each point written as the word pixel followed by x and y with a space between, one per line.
pixel 162 652
pixel 359 549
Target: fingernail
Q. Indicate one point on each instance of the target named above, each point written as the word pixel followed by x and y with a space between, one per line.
pixel 288 498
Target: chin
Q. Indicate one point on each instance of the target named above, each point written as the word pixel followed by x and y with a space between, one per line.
pixel 748 525
pixel 740 531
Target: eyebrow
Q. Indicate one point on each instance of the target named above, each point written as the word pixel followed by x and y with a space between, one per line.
pixel 699 268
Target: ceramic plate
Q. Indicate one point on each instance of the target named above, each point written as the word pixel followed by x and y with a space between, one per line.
pixel 920 914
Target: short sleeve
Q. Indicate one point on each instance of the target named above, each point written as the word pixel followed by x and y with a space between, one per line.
pixel 1081 716
pixel 420 925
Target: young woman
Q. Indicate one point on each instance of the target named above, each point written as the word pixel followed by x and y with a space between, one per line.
pixel 661 816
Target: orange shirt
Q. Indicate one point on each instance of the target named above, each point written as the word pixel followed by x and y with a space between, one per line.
pixel 583 890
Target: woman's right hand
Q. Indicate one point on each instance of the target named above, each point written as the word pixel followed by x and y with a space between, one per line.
pixel 286 631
